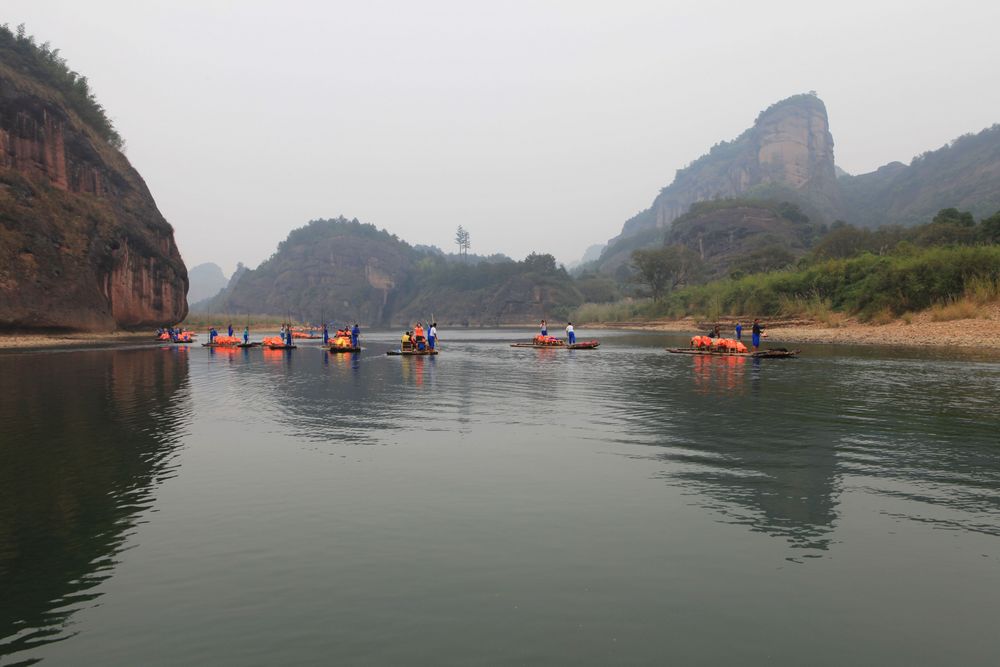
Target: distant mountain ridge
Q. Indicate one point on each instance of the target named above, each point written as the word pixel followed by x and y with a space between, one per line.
pixel 787 155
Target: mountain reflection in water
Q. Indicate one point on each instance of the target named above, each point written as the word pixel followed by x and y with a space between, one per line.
pixel 86 439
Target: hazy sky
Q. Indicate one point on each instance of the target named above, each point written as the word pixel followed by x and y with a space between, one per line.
pixel 536 125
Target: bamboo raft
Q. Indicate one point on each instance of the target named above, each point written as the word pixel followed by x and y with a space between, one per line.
pixel 338 350
pixel 281 347
pixel 257 344
pixel 410 353
pixel 583 345
pixel 775 353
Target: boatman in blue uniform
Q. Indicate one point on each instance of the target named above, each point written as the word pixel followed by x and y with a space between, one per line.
pixel 246 335
pixel 570 333
pixel 230 329
pixel 545 328
pixel 355 334
pixel 432 335
pixel 739 331
pixel 288 336
pixel 212 333
pixel 326 334
pixel 757 329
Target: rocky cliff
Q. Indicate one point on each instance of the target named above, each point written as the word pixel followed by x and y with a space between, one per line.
pixel 206 280
pixel 787 154
pixel 82 244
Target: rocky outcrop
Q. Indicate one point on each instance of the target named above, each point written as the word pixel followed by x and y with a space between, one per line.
pixel 206 280
pixel 82 244
pixel 788 153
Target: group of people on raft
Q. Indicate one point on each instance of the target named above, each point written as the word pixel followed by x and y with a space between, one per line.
pixel 715 341
pixel 543 338
pixel 215 339
pixel 347 337
pixel 416 341
pixel 175 335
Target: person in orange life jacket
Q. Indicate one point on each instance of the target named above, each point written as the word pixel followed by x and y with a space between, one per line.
pixel 418 336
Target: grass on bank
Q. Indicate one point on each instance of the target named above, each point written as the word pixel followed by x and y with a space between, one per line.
pixel 954 281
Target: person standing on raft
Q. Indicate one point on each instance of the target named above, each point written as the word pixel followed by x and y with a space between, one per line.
pixel 230 329
pixel 756 332
pixel 355 335
pixel 288 336
pixel 418 337
pixel 739 331
pixel 432 335
pixel 212 333
pixel 246 335
pixel 570 333
pixel 545 328
pixel 326 334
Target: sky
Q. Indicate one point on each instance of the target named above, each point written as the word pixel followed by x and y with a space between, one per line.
pixel 538 126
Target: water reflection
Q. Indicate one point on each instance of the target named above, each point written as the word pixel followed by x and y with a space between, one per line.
pixel 86 437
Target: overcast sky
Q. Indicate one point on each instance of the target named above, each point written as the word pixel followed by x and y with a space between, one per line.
pixel 539 126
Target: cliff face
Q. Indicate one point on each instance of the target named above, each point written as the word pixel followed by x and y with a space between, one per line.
pixel 82 244
pixel 787 152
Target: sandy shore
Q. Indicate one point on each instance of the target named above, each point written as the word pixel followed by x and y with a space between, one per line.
pixel 55 341
pixel 919 331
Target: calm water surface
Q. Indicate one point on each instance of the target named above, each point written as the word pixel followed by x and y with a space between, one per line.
pixel 499 506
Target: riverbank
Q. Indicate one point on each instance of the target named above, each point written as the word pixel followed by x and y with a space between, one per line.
pixel 916 330
pixel 72 340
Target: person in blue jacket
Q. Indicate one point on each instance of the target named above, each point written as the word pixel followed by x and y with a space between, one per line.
pixel 326 334
pixel 246 335
pixel 739 331
pixel 355 334
pixel 212 333
pixel 756 331
pixel 230 329
pixel 288 336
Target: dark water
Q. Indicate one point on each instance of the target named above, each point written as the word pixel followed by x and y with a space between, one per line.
pixel 499 506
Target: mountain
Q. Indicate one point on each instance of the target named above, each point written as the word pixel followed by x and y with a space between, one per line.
pixel 206 280
pixel 82 244
pixel 786 154
pixel 965 174
pixel 343 270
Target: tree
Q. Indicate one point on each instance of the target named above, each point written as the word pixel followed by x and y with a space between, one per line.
pixel 663 269
pixel 989 229
pixel 462 240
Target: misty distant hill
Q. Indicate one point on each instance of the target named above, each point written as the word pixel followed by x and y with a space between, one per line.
pixel 205 280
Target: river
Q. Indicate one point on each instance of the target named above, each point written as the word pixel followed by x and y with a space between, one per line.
pixel 496 506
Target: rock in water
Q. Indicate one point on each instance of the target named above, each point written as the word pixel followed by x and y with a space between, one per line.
pixel 82 244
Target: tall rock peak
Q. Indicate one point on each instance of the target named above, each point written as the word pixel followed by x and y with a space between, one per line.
pixel 787 152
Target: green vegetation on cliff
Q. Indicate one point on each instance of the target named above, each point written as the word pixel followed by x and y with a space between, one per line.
pixel 43 63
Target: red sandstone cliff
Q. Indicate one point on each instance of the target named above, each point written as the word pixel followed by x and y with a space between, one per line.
pixel 82 244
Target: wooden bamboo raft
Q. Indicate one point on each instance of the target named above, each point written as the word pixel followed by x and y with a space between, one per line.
pixel 336 350
pixel 583 345
pixel 775 353
pixel 410 353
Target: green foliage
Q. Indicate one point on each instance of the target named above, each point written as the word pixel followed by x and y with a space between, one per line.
pixel 663 269
pixel 20 51
pixel 864 285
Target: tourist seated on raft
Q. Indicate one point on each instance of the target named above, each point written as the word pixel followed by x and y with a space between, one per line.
pixel 407 341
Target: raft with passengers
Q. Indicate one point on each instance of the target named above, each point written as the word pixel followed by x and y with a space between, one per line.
pixel 729 347
pixel 544 341
pixel 344 340
pixel 416 343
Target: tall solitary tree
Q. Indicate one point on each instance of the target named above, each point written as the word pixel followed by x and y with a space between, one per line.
pixel 462 239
